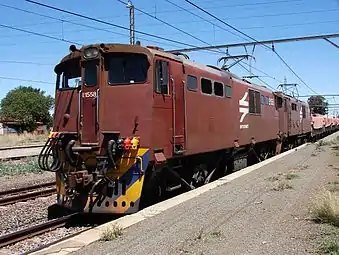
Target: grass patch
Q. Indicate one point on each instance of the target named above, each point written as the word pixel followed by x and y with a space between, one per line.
pixel 303 167
pixel 330 247
pixel 274 178
pixel 15 167
pixel 280 177
pixel 216 233
pixel 326 209
pixel 321 143
pixel 282 185
pixel 22 139
pixel 330 243
pixel 291 176
pixel 199 236
pixel 333 186
pixel 111 233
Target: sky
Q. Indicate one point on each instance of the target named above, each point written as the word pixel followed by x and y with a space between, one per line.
pixel 29 59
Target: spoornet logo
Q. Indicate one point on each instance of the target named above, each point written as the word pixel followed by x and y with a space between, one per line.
pixel 243 108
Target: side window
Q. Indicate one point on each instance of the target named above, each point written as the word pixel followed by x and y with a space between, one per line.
pixel 192 83
pixel 162 77
pixel 218 89
pixel 254 101
pixel 278 102
pixel 251 101
pixel 206 86
pixel 267 100
pixel 294 107
pixel 257 102
pixel 228 91
pixel 304 111
pixel 262 99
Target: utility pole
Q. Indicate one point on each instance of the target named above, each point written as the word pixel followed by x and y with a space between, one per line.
pixel 130 6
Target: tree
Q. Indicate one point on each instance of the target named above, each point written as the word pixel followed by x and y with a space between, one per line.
pixel 318 104
pixel 27 105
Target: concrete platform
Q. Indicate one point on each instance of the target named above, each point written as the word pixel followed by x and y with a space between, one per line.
pixel 237 214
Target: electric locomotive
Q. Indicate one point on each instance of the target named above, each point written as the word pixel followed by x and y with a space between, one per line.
pixel 133 123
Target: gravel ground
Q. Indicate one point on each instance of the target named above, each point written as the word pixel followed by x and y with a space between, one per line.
pixel 23 214
pixel 254 214
pixel 41 240
pixel 24 180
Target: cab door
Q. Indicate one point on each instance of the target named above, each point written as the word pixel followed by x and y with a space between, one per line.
pixel 282 113
pixel 162 107
pixel 179 107
pixel 89 103
pixel 169 107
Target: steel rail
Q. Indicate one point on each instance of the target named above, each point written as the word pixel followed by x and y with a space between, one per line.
pixel 35 230
pixel 12 153
pixel 21 147
pixel 29 188
pixel 27 193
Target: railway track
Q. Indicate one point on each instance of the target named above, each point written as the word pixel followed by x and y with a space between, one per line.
pixel 26 193
pixel 35 230
pixel 18 152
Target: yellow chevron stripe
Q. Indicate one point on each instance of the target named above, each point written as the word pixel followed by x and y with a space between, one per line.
pixel 132 194
pixel 126 162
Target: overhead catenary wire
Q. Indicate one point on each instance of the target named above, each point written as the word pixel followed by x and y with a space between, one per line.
pixel 178 6
pixel 196 15
pixel 25 62
pixel 80 24
pixel 38 34
pixel 74 23
pixel 105 22
pixel 166 23
pixel 253 4
pixel 25 80
pixel 218 7
pixel 253 39
pixel 282 26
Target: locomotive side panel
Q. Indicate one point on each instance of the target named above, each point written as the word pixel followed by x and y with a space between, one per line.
pixel 294 117
pixel 260 113
pixel 66 111
pixel 125 101
pixel 298 118
pixel 210 111
pixel 306 119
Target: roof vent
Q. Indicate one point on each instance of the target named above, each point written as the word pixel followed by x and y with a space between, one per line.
pixel 155 48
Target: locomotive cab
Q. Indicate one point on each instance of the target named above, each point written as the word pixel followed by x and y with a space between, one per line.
pixel 101 130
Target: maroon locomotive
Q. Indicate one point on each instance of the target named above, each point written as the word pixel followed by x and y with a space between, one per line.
pixel 133 123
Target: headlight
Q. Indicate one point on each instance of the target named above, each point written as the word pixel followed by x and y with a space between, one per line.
pixel 91 53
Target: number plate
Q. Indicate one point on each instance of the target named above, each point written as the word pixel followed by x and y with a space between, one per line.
pixel 89 94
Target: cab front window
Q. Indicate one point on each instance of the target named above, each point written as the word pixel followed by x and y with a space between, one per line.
pixel 68 74
pixel 126 68
pixel 90 75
